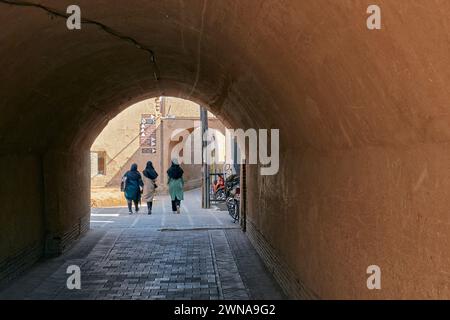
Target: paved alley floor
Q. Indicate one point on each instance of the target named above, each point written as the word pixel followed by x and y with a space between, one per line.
pixel 198 254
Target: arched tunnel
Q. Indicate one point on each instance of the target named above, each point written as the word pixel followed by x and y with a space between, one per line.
pixel 363 114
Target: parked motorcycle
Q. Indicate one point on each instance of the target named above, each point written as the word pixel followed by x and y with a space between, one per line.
pixel 223 192
pixel 218 188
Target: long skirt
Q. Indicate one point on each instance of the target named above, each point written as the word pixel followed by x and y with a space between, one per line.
pixel 176 189
pixel 149 189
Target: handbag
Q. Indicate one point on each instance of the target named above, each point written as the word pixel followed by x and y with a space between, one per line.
pixel 122 183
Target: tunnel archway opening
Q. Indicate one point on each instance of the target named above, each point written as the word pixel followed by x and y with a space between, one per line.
pixel 156 130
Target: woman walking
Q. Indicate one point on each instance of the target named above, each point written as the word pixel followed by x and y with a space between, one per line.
pixel 132 183
pixel 176 183
pixel 148 193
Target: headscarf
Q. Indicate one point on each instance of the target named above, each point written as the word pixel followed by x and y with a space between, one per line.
pixel 175 171
pixel 133 174
pixel 150 172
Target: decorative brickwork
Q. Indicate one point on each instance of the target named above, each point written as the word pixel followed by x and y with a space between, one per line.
pixel 21 261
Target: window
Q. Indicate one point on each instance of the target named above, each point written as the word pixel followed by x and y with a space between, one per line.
pixel 101 163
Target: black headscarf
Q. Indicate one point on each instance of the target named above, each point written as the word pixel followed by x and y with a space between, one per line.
pixel 133 174
pixel 150 172
pixel 175 171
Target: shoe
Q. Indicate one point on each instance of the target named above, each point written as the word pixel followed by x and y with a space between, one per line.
pixel 130 212
pixel 150 212
pixel 178 209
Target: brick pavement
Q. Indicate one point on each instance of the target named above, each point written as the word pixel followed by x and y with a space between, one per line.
pixel 199 254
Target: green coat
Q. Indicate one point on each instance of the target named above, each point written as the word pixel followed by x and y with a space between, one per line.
pixel 176 188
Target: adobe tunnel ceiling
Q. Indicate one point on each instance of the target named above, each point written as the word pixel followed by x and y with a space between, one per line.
pixel 363 115
pixel 310 68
